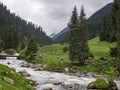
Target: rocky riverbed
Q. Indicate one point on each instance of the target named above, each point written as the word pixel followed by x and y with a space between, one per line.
pixel 46 80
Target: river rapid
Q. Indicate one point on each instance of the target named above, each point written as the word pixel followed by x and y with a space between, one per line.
pixel 46 79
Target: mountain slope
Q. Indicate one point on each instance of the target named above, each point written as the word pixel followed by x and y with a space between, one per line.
pixel 102 12
pixel 94 24
pixel 62 36
pixel 10 21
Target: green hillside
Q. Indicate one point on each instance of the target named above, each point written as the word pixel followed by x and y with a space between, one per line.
pixel 56 56
pixel 20 83
pixel 100 49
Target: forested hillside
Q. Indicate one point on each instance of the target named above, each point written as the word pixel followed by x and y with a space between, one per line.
pixel 94 24
pixel 14 31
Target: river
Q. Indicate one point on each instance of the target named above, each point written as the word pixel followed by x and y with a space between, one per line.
pixel 46 79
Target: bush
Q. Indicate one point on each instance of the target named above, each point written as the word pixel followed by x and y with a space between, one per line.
pixel 112 85
pixel 55 66
pixel 10 51
pixel 65 49
pixel 100 83
pixel 113 52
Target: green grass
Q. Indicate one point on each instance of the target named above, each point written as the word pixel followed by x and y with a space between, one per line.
pixel 100 49
pixel 20 82
pixel 52 56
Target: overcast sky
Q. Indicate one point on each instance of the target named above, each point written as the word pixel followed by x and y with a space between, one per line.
pixel 52 15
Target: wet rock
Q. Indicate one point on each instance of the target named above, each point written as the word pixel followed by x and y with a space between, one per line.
pixel 57 83
pixel 10 81
pixel 39 69
pixel 48 88
pixel 8 63
pixel 91 86
pixel 35 65
pixel 14 69
pixel 24 73
pixel 33 83
pixel 44 66
pixel 66 69
pixel 27 65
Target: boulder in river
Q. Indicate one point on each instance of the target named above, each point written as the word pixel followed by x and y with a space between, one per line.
pixel 39 69
pixel 24 73
pixel 101 84
pixel 48 88
pixel 27 65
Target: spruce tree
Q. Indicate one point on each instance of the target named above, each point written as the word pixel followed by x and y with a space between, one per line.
pixel 115 31
pixel 78 38
pixel 73 26
pixel 31 48
pixel 83 50
pixel 117 64
pixel 114 20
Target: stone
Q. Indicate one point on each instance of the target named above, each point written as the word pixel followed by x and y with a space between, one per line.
pixel 27 65
pixel 35 65
pixel 44 66
pixel 66 69
pixel 48 88
pixel 91 86
pixel 24 73
pixel 10 81
pixel 39 69
pixel 32 83
pixel 8 63
pixel 57 83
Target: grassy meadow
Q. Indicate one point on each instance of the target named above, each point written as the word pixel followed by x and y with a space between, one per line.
pixel 56 56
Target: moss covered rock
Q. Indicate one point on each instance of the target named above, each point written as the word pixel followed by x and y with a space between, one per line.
pixel 101 84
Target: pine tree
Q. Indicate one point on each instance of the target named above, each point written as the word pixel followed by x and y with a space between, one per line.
pixel 114 20
pixel 78 38
pixel 73 25
pixel 32 48
pixel 117 64
pixel 115 31
pixel 74 19
pixel 83 50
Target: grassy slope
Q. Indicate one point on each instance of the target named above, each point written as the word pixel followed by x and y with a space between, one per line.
pixel 20 82
pixel 100 49
pixel 52 55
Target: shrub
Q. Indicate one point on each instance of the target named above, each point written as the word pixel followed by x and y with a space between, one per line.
pixel 10 51
pixel 55 66
pixel 113 52
pixel 65 49
pixel 112 84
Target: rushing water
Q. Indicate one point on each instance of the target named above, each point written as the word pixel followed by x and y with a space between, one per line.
pixel 46 79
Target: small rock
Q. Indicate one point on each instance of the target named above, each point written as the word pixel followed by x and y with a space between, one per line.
pixel 91 86
pixel 67 69
pixel 24 73
pixel 10 81
pixel 33 83
pixel 39 69
pixel 48 88
pixel 27 65
pixel 8 63
pixel 44 66
pixel 57 83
